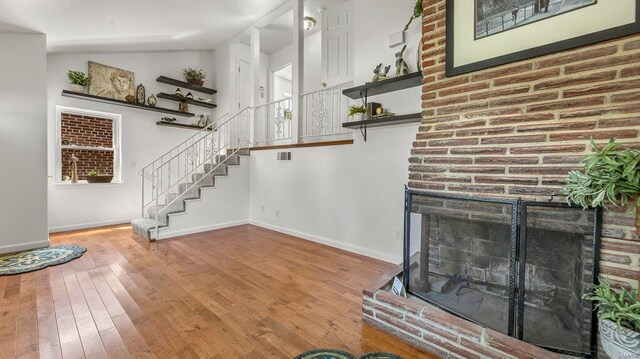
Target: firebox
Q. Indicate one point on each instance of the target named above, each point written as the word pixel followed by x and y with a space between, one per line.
pixel 518 267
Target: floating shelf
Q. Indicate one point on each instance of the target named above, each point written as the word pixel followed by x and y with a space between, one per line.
pixel 179 125
pixel 384 121
pixel 84 96
pixel 171 97
pixel 376 88
pixel 174 82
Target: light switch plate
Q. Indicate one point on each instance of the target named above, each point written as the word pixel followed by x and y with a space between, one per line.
pixel 396 39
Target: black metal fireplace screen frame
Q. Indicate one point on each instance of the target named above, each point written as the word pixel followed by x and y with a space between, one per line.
pixel 517 260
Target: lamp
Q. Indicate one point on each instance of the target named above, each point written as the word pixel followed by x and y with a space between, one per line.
pixel 308 22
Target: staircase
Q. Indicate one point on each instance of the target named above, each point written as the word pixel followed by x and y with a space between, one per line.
pixel 177 177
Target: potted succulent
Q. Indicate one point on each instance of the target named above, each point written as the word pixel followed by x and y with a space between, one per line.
pixel 611 175
pixel 78 80
pixel 357 112
pixel 95 177
pixel 618 320
pixel 194 76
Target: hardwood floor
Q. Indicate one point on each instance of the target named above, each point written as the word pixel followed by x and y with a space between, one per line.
pixel 242 292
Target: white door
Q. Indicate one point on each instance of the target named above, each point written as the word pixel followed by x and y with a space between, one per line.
pixel 244 85
pixel 337 43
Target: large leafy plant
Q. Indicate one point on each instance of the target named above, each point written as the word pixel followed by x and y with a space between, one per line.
pixel 610 174
pixel 622 307
pixel 417 13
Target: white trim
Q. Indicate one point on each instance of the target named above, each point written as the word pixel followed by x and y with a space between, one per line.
pixel 75 227
pixel 332 243
pixel 211 227
pixel 24 246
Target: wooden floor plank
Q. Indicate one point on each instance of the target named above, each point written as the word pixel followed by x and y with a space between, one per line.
pixel 241 292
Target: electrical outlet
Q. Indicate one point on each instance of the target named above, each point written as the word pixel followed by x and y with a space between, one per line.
pixel 399 235
pixel 277 213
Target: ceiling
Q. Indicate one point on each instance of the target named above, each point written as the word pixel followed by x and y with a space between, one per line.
pixel 134 25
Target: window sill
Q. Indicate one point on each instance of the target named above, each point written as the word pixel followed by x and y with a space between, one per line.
pixel 84 184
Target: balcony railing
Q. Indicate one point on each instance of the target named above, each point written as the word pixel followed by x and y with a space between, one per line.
pixel 273 122
pixel 324 112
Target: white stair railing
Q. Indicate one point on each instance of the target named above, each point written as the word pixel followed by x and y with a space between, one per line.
pixel 325 111
pixel 183 168
pixel 273 122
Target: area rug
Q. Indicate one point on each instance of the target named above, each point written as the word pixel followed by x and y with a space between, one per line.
pixel 339 354
pixel 31 260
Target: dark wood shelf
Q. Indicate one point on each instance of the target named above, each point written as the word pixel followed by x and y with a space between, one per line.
pixel 376 88
pixel 179 125
pixel 171 97
pixel 84 96
pixel 174 82
pixel 383 121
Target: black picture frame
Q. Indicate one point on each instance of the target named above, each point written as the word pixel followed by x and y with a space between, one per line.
pixel 572 43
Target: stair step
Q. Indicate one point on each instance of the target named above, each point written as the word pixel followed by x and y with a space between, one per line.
pixel 145 228
pixel 242 152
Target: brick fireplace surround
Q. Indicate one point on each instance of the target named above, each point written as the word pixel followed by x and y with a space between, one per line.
pixel 514 131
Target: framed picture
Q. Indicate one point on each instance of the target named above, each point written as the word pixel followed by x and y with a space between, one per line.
pixel 496 32
pixel 110 82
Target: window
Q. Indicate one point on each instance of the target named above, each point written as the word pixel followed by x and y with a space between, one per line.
pixel 93 137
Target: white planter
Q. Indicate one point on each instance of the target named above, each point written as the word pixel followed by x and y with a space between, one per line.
pixel 618 343
pixel 77 88
pixel 357 117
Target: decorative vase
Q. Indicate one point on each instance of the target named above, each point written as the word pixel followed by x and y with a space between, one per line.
pixel 357 117
pixel 196 82
pixel 420 53
pixel 618 342
pixel 77 88
pixel 183 106
pixel 152 101
pixel 140 95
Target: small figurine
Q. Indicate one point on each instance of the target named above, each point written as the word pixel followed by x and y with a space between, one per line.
pixel 183 106
pixel 152 101
pixel 376 76
pixel 401 66
pixel 178 93
pixel 190 96
pixel 140 94
pixel 204 120
pixel 383 74
pixel 130 99
pixel 74 168
pixel 169 119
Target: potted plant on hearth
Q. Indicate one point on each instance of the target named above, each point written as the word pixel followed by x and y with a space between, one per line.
pixel 78 80
pixel 611 176
pixel 194 76
pixel 618 320
pixel 95 177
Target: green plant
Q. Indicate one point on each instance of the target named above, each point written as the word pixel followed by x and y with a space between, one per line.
pixel 78 78
pixel 417 13
pixel 193 74
pixel 610 174
pixel 354 110
pixel 622 307
pixel 288 115
pixel 93 173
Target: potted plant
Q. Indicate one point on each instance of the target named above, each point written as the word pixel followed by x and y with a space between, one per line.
pixel 618 320
pixel 78 80
pixel 194 76
pixel 417 13
pixel 357 112
pixel 95 177
pixel 611 175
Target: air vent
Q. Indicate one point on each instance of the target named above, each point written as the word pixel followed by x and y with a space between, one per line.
pixel 284 156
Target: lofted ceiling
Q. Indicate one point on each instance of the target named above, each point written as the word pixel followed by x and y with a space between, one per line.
pixel 134 25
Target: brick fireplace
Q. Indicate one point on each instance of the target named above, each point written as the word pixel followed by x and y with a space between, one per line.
pixel 511 132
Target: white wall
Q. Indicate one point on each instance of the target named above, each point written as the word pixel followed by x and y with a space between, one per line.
pixel 350 196
pixel 23 156
pixel 81 206
pixel 312 61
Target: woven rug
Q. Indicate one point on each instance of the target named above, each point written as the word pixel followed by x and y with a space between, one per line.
pixel 27 261
pixel 339 354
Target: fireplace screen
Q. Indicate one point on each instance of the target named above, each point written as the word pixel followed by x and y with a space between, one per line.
pixel 519 268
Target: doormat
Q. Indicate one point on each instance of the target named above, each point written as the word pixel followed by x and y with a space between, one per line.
pixel 31 260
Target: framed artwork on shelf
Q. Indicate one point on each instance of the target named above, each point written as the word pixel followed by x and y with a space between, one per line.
pixel 497 32
pixel 110 82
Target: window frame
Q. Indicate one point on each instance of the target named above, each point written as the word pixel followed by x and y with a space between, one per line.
pixel 116 149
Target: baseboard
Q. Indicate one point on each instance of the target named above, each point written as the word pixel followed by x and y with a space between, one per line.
pixel 212 227
pixel 331 243
pixel 75 227
pixel 24 246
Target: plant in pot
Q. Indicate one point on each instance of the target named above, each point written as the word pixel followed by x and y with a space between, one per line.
pixel 78 80
pixel 357 112
pixel 194 76
pixel 611 176
pixel 417 13
pixel 95 177
pixel 618 320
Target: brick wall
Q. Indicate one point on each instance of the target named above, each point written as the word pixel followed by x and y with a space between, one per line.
pixel 516 130
pixel 87 131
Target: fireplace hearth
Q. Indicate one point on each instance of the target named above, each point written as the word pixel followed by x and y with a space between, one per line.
pixel 517 267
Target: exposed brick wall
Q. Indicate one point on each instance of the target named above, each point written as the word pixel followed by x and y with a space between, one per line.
pixel 518 129
pixel 86 131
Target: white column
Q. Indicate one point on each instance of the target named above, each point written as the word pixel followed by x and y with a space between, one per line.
pixel 298 69
pixel 255 80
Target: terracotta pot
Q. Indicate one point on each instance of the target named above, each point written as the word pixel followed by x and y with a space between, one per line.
pixel 197 83
pixel 618 342
pixel 99 179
